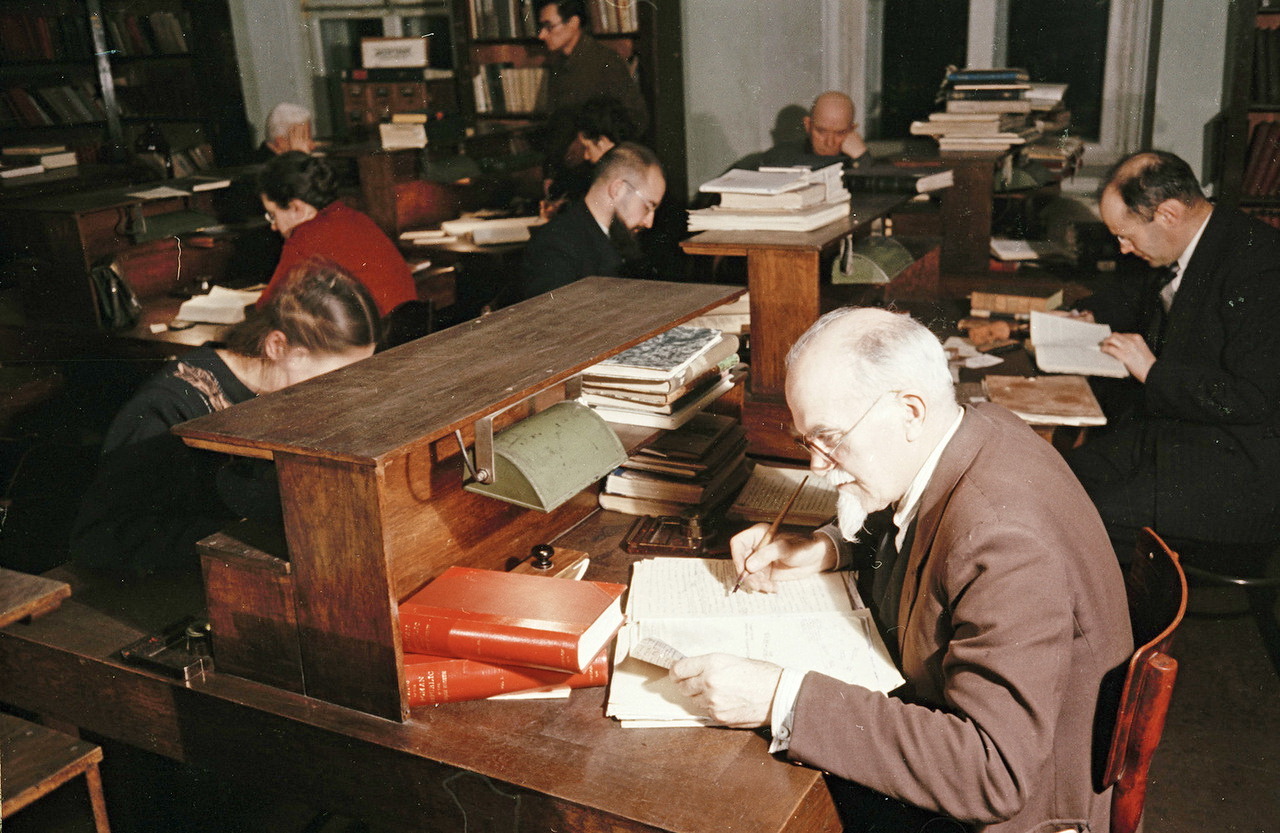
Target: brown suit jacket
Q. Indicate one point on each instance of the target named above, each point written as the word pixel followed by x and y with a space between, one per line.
pixel 1012 611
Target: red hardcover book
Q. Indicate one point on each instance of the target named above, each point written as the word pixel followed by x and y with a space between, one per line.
pixel 434 680
pixel 512 618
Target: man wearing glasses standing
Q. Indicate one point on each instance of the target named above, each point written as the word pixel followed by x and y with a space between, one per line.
pixel 988 572
pixel 585 238
pixel 581 67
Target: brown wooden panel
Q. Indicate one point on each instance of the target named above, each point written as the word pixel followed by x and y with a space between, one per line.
pixel 400 399
pixel 784 302
pixel 966 213
pixel 333 523
pixel 252 612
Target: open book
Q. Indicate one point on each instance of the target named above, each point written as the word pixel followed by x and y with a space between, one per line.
pixel 815 624
pixel 1069 345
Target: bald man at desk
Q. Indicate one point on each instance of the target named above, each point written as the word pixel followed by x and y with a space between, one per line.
pixel 831 136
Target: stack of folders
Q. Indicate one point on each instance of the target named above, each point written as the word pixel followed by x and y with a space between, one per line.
pixel 811 624
pixel 665 381
pixel 691 469
pixel 472 634
pixel 774 199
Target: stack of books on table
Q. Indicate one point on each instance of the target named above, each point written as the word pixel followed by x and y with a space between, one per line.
pixel 665 381
pixel 472 634
pixel 691 469
pixel 774 199
pixel 986 109
pixel 25 160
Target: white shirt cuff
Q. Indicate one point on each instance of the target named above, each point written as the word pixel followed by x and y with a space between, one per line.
pixel 783 708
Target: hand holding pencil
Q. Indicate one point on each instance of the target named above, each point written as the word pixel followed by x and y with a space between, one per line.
pixel 763 556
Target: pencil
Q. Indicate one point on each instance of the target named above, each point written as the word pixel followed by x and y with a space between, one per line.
pixel 770 532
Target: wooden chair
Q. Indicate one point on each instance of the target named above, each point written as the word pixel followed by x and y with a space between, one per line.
pixel 1157 591
pixel 38 760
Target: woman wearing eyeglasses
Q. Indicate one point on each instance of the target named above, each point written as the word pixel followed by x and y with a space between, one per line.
pixel 300 195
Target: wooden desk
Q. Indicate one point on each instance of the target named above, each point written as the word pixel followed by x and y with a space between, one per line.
pixel 784 278
pixel 503 766
pixel 73 231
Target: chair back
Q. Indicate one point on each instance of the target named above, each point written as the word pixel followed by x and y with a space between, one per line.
pixel 1157 591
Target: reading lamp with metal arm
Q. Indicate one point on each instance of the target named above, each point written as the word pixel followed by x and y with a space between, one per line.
pixel 546 458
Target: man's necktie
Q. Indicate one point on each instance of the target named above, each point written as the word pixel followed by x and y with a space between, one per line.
pixel 1167 286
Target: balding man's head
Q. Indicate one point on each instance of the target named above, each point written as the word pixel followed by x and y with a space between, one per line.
pixel 830 121
pixel 629 182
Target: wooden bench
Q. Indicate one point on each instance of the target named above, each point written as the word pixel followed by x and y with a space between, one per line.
pixel 38 760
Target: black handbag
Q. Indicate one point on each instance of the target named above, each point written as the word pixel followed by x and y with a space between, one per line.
pixel 118 307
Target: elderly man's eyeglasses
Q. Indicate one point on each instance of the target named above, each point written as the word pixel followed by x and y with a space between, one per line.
pixel 826 443
pixel 649 205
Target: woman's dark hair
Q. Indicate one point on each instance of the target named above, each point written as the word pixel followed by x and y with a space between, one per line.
pixel 320 308
pixel 298 176
pixel 604 115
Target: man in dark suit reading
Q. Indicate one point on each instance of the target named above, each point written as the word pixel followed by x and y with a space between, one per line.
pixel 586 237
pixel 987 571
pixel 1193 441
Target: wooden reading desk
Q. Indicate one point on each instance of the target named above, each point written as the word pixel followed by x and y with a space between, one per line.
pixel 370 477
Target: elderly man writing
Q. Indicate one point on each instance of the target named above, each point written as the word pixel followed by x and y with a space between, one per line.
pixel 987 570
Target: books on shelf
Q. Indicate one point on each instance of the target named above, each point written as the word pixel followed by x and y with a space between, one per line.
pixel 688 408
pixel 677 486
pixel 505 88
pixel 768 490
pixel 512 618
pixel 813 624
pixel 666 356
pixel 1070 345
pixel 1046 400
pixel 432 680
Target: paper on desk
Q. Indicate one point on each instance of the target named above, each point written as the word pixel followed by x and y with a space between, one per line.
pixel 220 306
pixel 160 192
pixel 982 360
pixel 808 625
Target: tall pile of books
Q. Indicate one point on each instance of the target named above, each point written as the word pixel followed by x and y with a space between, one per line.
pixel 774 199
pixel 460 642
pixel 986 109
pixel 665 381
pixel 687 470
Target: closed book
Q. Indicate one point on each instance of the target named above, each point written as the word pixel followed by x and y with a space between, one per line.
pixel 993 75
pixel 635 483
pixel 593 394
pixel 49 161
pixel 689 469
pixel 643 403
pixel 512 618
pixel 432 680
pixel 1020 105
pixel 630 505
pixel 692 441
pixel 648 419
pixel 886 178
pixel 1016 299
pixel 664 356
pixel 802 198
pixel 987 94
pixel 1046 400
pixel 32 150
pixel 10 171
pixel 719 357
pixel 800 219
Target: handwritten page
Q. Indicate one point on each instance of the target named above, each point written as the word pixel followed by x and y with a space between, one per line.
pixel 814 624
pixel 771 486
pixel 1070 345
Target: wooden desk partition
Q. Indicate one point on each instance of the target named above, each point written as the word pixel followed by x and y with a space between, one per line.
pixel 785 279
pixel 371 475
pixel 966 212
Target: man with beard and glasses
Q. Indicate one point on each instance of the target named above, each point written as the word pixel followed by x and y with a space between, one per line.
pixel 591 235
pixel 989 574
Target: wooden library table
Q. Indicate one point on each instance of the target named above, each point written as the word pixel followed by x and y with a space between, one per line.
pixel 784 278
pixel 515 765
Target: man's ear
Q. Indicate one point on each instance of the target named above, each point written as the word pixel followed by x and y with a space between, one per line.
pixel 1170 213
pixel 807 121
pixel 916 409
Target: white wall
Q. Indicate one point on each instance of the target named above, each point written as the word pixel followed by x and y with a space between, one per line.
pixel 274 56
pixel 743 63
pixel 1189 79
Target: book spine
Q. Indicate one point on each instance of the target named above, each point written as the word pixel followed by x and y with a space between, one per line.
pixel 994 94
pixel 988 76
pixel 432 680
pixel 429 630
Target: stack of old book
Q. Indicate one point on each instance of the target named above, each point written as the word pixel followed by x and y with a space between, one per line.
pixel 26 160
pixel 691 469
pixel 472 634
pixel 1014 300
pixel 986 109
pixel 774 199
pixel 665 381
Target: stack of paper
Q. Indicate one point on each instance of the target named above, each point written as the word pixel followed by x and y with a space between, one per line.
pixel 813 624
pixel 774 199
pixel 485 231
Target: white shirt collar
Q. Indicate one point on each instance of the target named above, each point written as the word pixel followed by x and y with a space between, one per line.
pixel 906 510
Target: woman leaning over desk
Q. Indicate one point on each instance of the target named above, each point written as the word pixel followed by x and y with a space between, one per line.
pixel 153 497
pixel 300 195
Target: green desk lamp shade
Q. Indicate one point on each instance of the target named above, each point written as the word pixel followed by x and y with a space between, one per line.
pixel 872 260
pixel 543 460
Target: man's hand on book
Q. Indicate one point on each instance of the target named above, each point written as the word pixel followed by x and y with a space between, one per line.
pixel 1132 350
pixel 788 556
pixel 734 691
